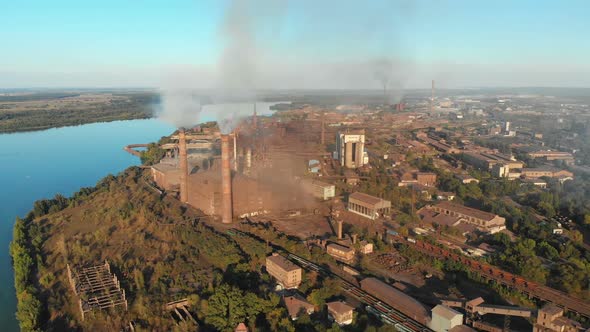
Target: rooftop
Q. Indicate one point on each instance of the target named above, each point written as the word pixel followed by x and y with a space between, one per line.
pixel 368 199
pixel 339 307
pixel 444 311
pixel 466 210
pixel 295 303
pixel 282 262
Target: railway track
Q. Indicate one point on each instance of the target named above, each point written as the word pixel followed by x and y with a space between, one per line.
pixel 382 310
pixel 491 272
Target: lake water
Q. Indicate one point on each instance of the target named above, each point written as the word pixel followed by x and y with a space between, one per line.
pixel 37 165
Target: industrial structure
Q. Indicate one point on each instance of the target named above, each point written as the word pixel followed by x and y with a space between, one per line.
pixel 516 282
pixel 96 288
pixel 350 149
pixel 368 206
pixel 463 217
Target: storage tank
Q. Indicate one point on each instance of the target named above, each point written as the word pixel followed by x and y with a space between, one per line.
pixel 400 301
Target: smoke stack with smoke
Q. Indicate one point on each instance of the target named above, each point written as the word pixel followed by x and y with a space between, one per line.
pixel 226 196
pixel 183 166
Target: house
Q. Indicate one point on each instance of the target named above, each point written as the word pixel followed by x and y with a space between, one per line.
pixel 340 312
pixel 296 304
pixel 445 196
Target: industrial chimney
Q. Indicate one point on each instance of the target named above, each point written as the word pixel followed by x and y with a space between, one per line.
pixel 339 231
pixel 183 166
pixel 254 120
pixel 226 197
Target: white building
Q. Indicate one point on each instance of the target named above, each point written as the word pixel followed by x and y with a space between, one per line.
pixel 445 318
pixel 318 189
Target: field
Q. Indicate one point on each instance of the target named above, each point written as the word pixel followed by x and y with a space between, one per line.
pixel 42 110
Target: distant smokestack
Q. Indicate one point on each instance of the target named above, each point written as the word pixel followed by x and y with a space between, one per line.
pixel 323 129
pixel 432 98
pixel 235 152
pixel 354 237
pixel 183 166
pixel 254 120
pixel 226 199
pixel 339 231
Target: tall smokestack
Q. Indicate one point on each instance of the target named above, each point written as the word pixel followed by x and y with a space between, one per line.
pixel 235 152
pixel 323 129
pixel 226 199
pixel 339 231
pixel 432 98
pixel 183 166
pixel 254 124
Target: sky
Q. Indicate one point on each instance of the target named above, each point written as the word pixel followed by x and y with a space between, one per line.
pixel 286 44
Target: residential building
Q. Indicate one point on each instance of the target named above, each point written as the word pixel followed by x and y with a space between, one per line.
pixel 340 312
pixel 285 272
pixel 297 304
pixel 367 206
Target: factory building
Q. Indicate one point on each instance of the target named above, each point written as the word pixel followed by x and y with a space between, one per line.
pixel 486 161
pixel 340 312
pixel 545 171
pixel 350 149
pixel 368 206
pixel 445 318
pixel 319 189
pixel 397 299
pixel 340 252
pixel 285 272
pixel 484 221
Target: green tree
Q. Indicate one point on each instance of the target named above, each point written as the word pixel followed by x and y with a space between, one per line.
pixel 28 311
pixel 226 308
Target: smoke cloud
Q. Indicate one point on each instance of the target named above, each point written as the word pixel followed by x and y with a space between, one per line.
pixel 318 54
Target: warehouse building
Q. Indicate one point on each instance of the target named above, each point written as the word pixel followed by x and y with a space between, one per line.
pixel 368 206
pixel 484 221
pixel 397 299
pixel 445 318
pixel 319 189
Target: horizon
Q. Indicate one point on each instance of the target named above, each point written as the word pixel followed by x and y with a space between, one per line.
pixel 296 45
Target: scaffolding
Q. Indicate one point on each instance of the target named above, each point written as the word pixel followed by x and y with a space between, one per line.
pixel 96 288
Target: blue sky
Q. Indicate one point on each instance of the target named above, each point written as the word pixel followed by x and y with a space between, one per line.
pixel 297 43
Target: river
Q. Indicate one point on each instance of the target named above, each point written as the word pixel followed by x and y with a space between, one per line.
pixel 40 164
